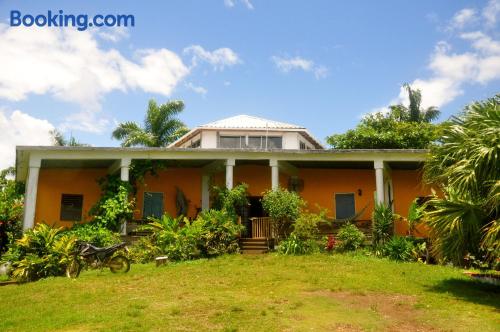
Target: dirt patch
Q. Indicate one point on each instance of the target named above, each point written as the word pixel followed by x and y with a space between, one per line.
pixel 398 311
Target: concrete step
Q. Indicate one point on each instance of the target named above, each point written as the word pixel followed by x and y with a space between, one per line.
pixel 254 251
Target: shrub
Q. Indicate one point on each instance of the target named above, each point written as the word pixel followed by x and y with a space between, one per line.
pixel 350 237
pixel 283 207
pixel 178 238
pixel 399 249
pixel 94 233
pixel 219 233
pixel 415 214
pixel 382 221
pixel 230 200
pixel 143 251
pixel 11 209
pixel 306 225
pixel 114 206
pixel 41 252
pixel 293 245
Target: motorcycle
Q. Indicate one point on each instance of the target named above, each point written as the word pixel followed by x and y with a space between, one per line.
pixel 88 255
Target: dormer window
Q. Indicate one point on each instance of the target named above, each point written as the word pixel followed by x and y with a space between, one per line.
pixel 250 142
pixel 232 142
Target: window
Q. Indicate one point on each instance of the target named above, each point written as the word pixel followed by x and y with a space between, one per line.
pixel 344 206
pixel 302 145
pixel 274 142
pixel 195 144
pixel 71 207
pixel 255 142
pixel 232 142
pixel 153 205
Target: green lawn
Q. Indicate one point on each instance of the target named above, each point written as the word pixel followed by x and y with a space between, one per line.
pixel 258 293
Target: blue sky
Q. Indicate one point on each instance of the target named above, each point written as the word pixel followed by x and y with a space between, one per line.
pixel 321 64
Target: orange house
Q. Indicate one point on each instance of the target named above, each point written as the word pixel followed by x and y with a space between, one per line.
pixel 61 182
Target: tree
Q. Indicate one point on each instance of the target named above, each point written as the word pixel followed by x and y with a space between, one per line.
pixel 465 166
pixel 161 127
pixel 58 139
pixel 11 208
pixel 400 128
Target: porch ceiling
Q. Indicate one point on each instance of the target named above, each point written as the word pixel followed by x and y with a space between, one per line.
pixel 333 164
pixel 77 163
pixel 405 165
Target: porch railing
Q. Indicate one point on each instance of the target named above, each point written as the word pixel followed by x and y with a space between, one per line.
pixel 262 228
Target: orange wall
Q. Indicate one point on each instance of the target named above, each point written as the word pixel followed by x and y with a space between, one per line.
pixel 187 179
pixel 407 186
pixel 54 182
pixel 320 185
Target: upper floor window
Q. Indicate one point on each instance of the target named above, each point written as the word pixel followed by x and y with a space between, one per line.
pixel 302 145
pixel 195 144
pixel 253 142
pixel 232 142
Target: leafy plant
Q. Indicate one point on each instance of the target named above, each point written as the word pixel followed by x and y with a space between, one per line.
pixel 465 168
pixel 178 238
pixel 95 234
pixel 294 245
pixel 230 200
pixel 41 252
pixel 114 206
pixel 382 224
pixel 306 226
pixel 11 209
pixel 415 214
pixel 283 207
pixel 144 250
pixel 399 249
pixel 219 233
pixel 350 237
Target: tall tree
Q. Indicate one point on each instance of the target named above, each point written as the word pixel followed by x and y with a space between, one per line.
pixel 58 139
pixel 402 127
pixel 161 126
pixel 465 166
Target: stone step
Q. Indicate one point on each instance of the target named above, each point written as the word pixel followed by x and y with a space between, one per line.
pixel 254 251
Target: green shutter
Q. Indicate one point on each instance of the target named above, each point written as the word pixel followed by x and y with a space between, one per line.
pixel 153 205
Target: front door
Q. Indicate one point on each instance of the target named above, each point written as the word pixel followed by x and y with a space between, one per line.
pixel 253 210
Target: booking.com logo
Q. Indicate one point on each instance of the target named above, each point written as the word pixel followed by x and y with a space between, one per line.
pixel 81 21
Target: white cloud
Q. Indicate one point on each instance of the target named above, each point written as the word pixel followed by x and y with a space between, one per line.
pixel 232 3
pixel 198 89
pixel 219 58
pixel 286 65
pixel 19 128
pixel 451 72
pixel 113 34
pixel 463 18
pixel 491 12
pixel 70 65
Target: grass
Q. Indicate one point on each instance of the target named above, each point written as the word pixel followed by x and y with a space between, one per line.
pixel 257 293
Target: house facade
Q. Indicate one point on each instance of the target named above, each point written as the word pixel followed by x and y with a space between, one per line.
pixel 61 182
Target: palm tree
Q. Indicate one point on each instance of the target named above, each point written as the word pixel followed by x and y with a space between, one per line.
pixel 465 166
pixel 58 139
pixel 161 127
pixel 414 111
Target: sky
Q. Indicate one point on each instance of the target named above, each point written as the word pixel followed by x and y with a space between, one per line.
pixel 319 64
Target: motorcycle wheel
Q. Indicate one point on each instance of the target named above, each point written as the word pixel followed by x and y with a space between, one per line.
pixel 119 264
pixel 73 269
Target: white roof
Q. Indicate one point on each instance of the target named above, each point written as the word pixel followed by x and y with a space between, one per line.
pixel 248 122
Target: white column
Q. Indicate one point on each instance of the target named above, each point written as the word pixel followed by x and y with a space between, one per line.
pixel 30 194
pixel 274 174
pixel 125 169
pixel 205 192
pixel 229 173
pixel 379 180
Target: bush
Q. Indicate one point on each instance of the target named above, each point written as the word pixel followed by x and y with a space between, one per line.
pixel 230 200
pixel 399 249
pixel 382 228
pixel 11 209
pixel 41 252
pixel 114 206
pixel 306 225
pixel 350 237
pixel 219 233
pixel 283 207
pixel 143 251
pixel 293 245
pixel 94 233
